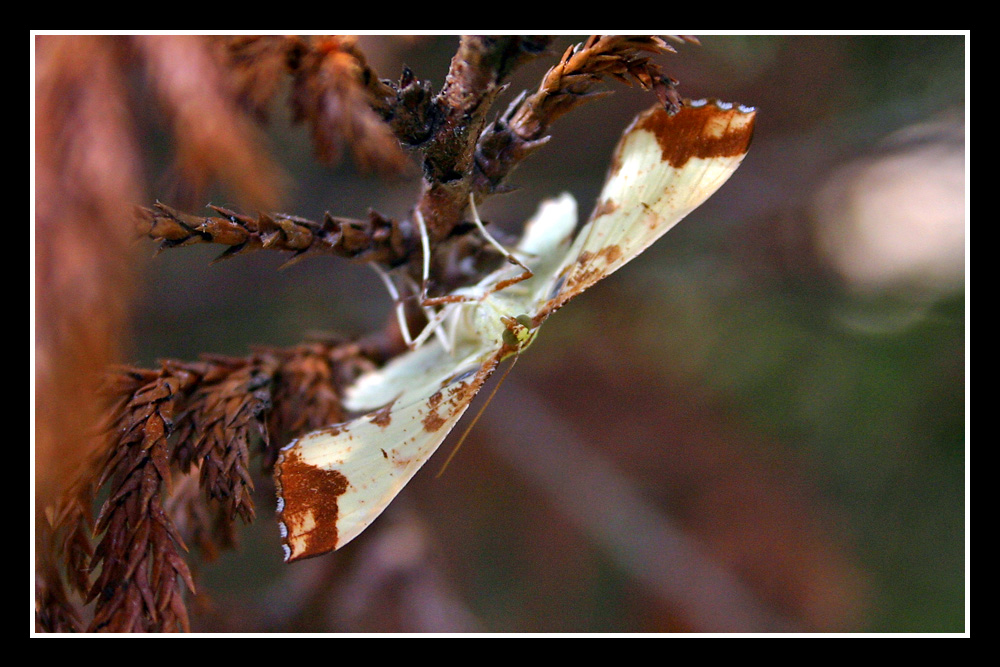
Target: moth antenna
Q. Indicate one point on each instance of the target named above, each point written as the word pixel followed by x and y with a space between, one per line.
pixel 478 414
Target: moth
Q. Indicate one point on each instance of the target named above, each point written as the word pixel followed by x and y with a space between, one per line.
pixel 334 482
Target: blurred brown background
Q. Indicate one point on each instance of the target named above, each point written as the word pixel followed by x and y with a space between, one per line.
pixel 759 424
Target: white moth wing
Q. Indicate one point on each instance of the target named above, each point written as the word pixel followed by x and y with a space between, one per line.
pixel 410 377
pixel 548 231
pixel 664 167
pixel 334 482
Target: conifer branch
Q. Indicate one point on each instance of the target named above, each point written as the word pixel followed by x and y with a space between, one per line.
pixel 459 152
pixel 142 574
pixel 176 456
pixel 476 77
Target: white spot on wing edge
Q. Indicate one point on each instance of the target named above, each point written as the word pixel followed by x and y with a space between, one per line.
pixel 725 106
pixel 282 528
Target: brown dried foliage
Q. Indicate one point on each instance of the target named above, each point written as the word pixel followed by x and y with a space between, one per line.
pixel 215 139
pixel 214 434
pixel 196 420
pixel 174 459
pixel 335 90
pixel 459 152
pixel 86 165
pixel 374 240
pixel 138 586
pixel 88 169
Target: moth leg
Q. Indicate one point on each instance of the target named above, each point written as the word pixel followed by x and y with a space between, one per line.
pixel 404 328
pixel 434 321
pixel 435 318
pixel 425 247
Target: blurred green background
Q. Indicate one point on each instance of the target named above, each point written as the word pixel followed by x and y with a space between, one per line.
pixel 779 383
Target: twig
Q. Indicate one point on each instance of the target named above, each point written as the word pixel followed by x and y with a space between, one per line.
pixel 475 79
pixel 377 239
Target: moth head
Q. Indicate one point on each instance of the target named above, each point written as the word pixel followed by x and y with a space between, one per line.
pixel 517 330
